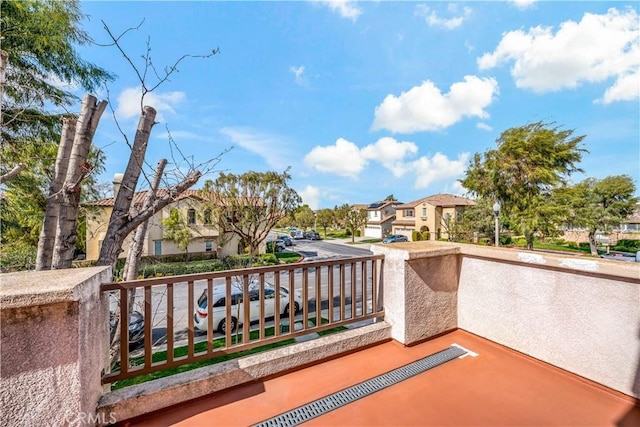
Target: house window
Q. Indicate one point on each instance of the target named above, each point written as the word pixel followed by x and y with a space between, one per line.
pixel 191 216
pixel 207 217
pixel 157 247
pixel 424 212
pixel 208 246
pixel 408 212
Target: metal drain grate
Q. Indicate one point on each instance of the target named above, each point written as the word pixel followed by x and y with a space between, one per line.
pixel 336 400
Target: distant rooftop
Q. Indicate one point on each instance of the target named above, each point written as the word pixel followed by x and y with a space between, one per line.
pixel 439 200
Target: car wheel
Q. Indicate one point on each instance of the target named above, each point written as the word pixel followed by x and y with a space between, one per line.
pixel 296 308
pixel 222 326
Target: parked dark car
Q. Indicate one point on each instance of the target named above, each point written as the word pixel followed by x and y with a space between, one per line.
pixel 312 235
pixel 286 240
pixel 136 327
pixel 395 238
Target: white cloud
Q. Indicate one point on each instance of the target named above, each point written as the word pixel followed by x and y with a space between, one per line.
pixel 390 153
pixel 298 72
pixel 345 8
pixel 437 168
pixel 484 126
pixel 178 135
pixel 451 23
pixel 129 102
pixel 596 49
pixel 425 108
pixel 310 196
pixel 272 148
pixel 626 88
pixel 522 4
pixel 343 158
pixel 347 159
pixel 457 189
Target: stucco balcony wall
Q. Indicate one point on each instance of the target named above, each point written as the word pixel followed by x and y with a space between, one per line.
pixel 579 314
pixel 54 346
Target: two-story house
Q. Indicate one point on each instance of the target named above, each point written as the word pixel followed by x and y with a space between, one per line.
pixel 205 235
pixel 380 215
pixel 431 214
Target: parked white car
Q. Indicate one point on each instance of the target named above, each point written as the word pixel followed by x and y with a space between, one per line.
pixel 237 306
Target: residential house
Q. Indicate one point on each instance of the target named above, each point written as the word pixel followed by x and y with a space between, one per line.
pixel 206 236
pixel 628 230
pixel 431 214
pixel 380 215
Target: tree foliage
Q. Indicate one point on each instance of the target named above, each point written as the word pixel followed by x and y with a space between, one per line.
pixel 39 40
pixel 176 229
pixel 326 218
pixel 304 216
pixel 597 204
pixel 355 219
pixel 529 162
pixel 249 205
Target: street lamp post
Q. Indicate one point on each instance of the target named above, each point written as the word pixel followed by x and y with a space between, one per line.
pixel 496 212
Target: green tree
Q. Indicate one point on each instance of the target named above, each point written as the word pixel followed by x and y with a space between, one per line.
pixel 38 53
pixel 340 214
pixel 478 218
pixel 304 216
pixel 176 229
pixel 597 204
pixel 40 38
pixel 325 219
pixel 391 198
pixel 529 162
pixel 250 205
pixel 355 220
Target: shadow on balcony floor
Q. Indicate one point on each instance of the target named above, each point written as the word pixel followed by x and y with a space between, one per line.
pixel 498 387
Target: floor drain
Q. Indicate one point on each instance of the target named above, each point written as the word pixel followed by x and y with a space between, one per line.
pixel 336 400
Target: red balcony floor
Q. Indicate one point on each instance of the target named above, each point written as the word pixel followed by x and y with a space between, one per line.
pixel 500 387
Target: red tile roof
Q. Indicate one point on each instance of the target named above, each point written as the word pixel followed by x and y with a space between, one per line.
pixel 138 197
pixel 439 200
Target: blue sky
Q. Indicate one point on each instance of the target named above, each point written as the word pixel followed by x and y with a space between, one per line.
pixel 367 99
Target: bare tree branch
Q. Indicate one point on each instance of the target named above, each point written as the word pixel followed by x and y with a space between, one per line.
pixel 12 173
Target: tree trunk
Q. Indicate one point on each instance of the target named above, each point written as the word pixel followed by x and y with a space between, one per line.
pixel 529 237
pixel 112 243
pixel 12 173
pixel 592 243
pixel 52 210
pixel 66 233
pixel 4 57
pixel 132 265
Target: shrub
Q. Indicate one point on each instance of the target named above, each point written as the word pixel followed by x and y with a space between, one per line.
pixel 627 245
pixel 505 240
pixel 485 241
pixel 572 245
pixel 426 235
pixel 357 233
pixel 519 241
pixel 415 236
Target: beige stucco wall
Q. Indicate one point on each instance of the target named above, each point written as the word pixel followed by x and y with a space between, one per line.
pixel 584 318
pixel 98 220
pixel 420 289
pixel 54 346
pixel 580 314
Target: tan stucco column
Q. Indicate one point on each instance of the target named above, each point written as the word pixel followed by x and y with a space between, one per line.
pixel 54 346
pixel 420 288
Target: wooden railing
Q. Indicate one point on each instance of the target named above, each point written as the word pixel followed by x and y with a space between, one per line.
pixel 186 317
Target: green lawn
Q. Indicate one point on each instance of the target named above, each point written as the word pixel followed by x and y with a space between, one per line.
pixel 288 257
pixel 201 347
